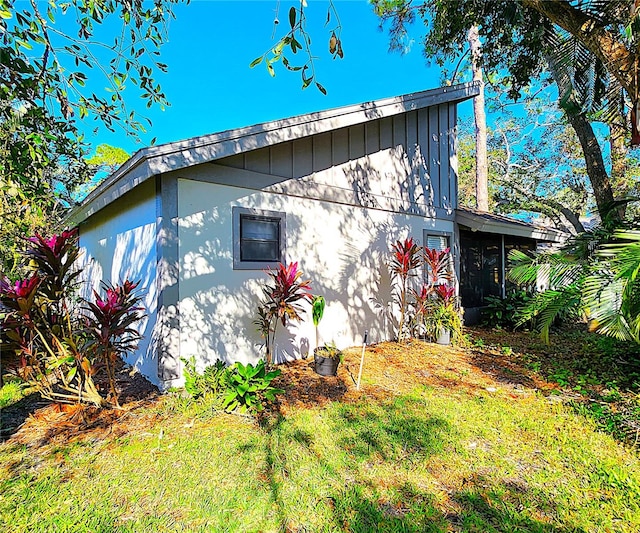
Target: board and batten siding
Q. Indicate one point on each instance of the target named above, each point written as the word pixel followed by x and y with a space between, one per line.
pixel 404 163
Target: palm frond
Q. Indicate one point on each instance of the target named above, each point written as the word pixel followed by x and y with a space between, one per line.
pixel 545 307
pixel 554 270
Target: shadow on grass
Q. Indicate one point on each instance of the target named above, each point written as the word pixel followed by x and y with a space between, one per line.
pixel 13 416
pixel 504 509
pixel 362 496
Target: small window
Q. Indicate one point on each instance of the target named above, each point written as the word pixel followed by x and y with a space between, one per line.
pixel 258 238
pixel 440 243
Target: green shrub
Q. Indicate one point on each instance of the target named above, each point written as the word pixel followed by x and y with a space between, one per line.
pixel 248 386
pixel 211 381
pixel 238 387
pixel 504 312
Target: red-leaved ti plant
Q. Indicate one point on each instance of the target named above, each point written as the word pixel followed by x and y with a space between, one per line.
pixel 405 259
pixel 109 327
pixel 282 301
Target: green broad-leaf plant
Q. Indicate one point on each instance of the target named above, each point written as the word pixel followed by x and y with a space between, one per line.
pixel 247 386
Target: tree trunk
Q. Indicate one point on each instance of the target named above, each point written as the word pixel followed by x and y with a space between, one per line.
pixel 482 167
pixel 596 170
pixel 595 165
pixel 618 149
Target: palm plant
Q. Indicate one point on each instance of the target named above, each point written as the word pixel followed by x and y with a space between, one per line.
pixel 595 276
pixel 612 289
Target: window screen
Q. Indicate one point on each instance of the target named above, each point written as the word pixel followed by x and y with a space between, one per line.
pixel 437 242
pixel 258 238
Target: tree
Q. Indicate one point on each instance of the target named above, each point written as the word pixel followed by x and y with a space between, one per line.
pixel 521 39
pixel 44 95
pixel 482 172
pixel 535 165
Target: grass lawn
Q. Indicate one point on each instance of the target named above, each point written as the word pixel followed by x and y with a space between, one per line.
pixel 480 439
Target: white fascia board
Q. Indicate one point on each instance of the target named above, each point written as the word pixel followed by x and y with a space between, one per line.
pixel 515 229
pixel 155 160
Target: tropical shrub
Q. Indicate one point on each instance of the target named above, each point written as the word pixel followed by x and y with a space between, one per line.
pixel 437 264
pixel 282 302
pixel 237 387
pixel 211 382
pixel 249 386
pixel 594 276
pixel 504 312
pixel 405 260
pixel 418 307
pixel 442 313
pixel 109 328
pixel 58 350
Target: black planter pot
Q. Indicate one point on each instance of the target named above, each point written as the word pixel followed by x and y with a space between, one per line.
pixel 326 366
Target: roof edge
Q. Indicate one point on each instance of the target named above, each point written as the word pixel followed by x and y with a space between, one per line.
pixel 489 223
pixel 150 161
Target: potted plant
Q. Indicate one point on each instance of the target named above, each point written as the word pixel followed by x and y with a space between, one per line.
pixel 327 357
pixel 441 318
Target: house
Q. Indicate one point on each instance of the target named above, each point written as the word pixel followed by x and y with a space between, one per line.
pixel 198 221
pixel 485 242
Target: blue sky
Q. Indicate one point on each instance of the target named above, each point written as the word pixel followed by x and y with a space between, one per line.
pixel 211 87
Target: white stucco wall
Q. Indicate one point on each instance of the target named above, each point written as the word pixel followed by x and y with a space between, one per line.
pixel 343 250
pixel 119 243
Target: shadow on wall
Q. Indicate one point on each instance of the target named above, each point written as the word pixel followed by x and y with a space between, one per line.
pixel 126 254
pixel 342 249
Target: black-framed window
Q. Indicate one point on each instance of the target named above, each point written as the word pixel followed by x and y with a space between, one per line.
pixel 258 238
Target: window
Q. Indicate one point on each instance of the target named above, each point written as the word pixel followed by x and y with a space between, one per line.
pixel 439 242
pixel 258 238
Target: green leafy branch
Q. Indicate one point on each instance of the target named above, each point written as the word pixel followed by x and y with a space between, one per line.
pixel 297 39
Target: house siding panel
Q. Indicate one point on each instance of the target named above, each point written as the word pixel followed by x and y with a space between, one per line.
pixel 453 153
pixel 434 156
pixel 302 157
pixel 386 133
pixel 282 160
pixel 258 161
pixel 446 187
pixel 372 136
pixel 398 163
pixel 120 243
pixel 340 146
pixel 356 142
pixel 322 159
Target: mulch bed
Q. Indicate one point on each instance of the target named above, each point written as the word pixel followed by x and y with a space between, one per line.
pixel 389 369
pixel 34 421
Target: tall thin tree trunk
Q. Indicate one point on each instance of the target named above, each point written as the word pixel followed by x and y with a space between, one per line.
pixel 482 167
pixel 595 164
